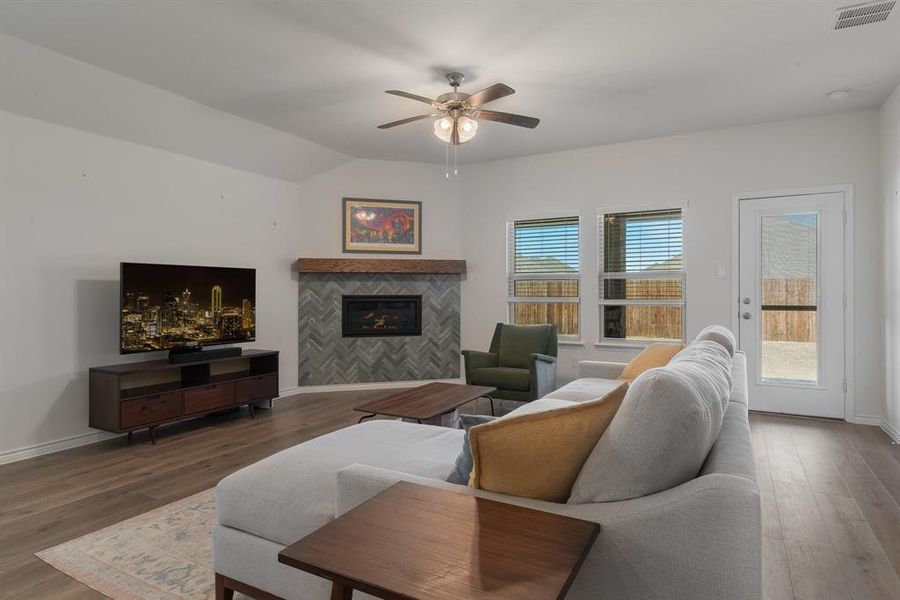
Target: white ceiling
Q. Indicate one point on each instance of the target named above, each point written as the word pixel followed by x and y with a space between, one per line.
pixel 593 72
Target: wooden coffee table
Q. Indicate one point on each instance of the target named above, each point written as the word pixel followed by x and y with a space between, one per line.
pixel 416 542
pixel 426 403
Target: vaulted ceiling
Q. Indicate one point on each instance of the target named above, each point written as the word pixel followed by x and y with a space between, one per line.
pixel 594 73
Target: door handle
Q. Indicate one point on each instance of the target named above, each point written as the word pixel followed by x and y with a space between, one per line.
pixel 746 315
pixel 746 300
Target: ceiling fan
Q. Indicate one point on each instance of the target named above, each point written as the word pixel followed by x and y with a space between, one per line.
pixel 456 114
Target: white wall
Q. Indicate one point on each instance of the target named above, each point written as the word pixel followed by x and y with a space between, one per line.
pixel 75 204
pixel 890 177
pixel 382 179
pixel 96 168
pixel 701 171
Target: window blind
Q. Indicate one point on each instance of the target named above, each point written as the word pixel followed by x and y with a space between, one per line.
pixel 642 241
pixel 545 246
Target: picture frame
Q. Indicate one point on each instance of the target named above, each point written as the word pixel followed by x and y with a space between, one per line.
pixel 377 226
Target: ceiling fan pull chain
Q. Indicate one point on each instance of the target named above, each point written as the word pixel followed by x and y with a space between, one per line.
pixel 447 161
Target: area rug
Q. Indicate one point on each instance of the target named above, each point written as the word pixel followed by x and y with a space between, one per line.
pixel 164 554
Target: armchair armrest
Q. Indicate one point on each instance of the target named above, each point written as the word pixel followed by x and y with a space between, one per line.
pixel 478 360
pixel 600 369
pixel 542 374
pixel 543 357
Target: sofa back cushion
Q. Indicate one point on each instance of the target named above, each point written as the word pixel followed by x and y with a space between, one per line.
pixel 662 433
pixel 539 454
pixel 720 335
pixel 651 357
pixel 517 342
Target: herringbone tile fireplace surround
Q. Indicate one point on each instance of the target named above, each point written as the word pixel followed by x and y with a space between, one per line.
pixel 326 357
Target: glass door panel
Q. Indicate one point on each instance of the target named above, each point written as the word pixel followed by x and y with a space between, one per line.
pixel 789 259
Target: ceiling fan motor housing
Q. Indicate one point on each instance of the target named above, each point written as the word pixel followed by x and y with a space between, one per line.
pixel 455 79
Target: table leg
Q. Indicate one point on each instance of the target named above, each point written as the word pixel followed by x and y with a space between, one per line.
pixel 364 417
pixel 339 591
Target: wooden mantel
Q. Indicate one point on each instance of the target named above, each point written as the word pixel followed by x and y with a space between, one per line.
pixel 379 265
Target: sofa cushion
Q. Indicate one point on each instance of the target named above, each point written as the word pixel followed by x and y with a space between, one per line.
pixel 720 335
pixel 538 455
pixel 662 433
pixel 651 357
pixel 504 378
pixel 584 389
pixel 290 494
pixel 518 342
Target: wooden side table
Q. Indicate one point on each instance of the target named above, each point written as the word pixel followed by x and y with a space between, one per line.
pixel 417 542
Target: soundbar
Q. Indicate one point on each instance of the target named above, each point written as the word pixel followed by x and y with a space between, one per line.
pixel 198 354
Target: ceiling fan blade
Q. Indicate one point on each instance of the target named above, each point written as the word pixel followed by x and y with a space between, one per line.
pixel 489 94
pixel 508 118
pixel 409 120
pixel 415 97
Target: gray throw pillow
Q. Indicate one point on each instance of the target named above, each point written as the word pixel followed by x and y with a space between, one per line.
pixel 464 463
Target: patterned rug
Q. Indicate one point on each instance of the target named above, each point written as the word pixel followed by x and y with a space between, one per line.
pixel 164 554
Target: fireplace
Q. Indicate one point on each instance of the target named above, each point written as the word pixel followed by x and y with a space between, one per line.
pixel 375 316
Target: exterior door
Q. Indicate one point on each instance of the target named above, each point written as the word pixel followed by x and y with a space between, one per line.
pixel 791 302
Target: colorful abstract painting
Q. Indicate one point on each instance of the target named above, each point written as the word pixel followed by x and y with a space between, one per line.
pixel 382 226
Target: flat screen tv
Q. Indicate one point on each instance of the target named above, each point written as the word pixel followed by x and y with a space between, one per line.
pixel 180 307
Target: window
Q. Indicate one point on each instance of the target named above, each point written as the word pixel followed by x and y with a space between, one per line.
pixel 641 276
pixel 544 273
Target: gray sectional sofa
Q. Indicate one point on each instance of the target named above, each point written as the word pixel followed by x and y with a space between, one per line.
pixel 698 539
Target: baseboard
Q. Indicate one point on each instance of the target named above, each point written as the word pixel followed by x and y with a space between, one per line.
pixel 892 431
pixel 867 420
pixel 82 439
pixel 350 387
pixel 889 429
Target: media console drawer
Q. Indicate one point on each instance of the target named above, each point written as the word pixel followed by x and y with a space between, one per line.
pixel 150 409
pixel 208 398
pixel 258 388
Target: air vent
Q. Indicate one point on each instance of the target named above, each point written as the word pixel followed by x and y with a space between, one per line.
pixel 862 14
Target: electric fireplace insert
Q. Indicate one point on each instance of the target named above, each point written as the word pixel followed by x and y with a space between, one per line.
pixel 381 315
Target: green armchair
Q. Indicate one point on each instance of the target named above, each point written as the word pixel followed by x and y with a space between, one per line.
pixel 521 362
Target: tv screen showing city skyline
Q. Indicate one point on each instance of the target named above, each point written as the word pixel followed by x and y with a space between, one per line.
pixel 178 306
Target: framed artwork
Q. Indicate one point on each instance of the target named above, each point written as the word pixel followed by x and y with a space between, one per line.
pixel 377 226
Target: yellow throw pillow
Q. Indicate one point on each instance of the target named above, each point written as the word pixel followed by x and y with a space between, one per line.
pixel 539 455
pixel 651 357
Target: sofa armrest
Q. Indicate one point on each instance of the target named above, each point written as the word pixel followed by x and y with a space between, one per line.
pixel 600 369
pixel 702 539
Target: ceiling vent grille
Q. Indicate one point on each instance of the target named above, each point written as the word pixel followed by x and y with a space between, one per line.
pixel 862 14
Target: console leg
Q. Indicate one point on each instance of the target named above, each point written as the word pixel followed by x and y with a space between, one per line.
pixel 152 431
pixel 222 592
pixel 340 592
pixel 252 410
pixel 130 435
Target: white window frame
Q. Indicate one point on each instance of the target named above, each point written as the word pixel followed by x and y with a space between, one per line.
pixel 512 277
pixel 602 276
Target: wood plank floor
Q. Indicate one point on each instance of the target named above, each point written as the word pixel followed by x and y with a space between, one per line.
pixel 830 494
